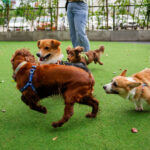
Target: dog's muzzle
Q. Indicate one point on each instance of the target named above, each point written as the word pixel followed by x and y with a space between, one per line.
pixel 42 58
pixel 109 91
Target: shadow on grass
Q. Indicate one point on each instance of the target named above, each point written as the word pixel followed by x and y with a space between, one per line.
pixel 138 112
pixel 93 69
pixel 74 125
pixel 29 120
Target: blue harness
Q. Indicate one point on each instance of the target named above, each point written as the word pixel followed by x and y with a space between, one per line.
pixel 29 83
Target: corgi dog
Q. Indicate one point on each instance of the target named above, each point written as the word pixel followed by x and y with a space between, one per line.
pixel 135 88
pixel 49 51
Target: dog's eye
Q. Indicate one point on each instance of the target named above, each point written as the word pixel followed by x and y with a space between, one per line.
pixel 115 84
pixel 46 48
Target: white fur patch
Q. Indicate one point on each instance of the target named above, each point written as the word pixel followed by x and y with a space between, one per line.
pixel 131 94
pixel 130 79
pixel 53 60
pixel 108 87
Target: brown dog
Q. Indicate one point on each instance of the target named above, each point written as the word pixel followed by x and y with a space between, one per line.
pixel 49 51
pixel 135 88
pixel 74 84
pixel 75 55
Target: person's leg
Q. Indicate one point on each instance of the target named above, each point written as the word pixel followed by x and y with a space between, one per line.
pixel 80 20
pixel 70 17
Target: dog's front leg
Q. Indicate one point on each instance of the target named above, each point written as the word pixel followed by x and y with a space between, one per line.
pixel 68 112
pixel 138 105
pixel 32 101
pixel 38 107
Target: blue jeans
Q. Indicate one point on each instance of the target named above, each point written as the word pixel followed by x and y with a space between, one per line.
pixel 77 13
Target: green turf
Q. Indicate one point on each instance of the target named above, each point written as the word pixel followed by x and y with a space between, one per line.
pixel 25 129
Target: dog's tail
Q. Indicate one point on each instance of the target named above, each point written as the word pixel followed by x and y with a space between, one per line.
pixel 101 49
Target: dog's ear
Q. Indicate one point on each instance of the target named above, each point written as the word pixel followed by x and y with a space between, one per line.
pixel 123 73
pixel 68 49
pixel 132 85
pixel 38 43
pixel 55 43
pixel 78 49
pixel 30 58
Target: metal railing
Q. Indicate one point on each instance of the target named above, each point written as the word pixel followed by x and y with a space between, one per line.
pixel 112 17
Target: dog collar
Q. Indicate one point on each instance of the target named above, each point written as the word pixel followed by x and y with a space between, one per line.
pixel 83 55
pixel 143 85
pixel 19 66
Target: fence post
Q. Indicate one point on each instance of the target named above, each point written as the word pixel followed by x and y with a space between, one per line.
pixel 148 14
pixel 114 9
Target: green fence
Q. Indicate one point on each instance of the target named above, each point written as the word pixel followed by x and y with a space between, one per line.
pixel 50 17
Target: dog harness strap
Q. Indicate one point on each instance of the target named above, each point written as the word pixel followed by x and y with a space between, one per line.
pixel 143 85
pixel 85 56
pixel 29 83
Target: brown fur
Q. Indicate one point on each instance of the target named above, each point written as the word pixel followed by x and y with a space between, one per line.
pixel 27 57
pixel 74 84
pixel 135 88
pixel 75 55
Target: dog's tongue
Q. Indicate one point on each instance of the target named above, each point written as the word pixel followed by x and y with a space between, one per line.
pixel 41 59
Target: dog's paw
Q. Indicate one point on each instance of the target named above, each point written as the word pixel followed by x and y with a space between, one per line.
pixel 139 109
pixel 56 124
pixel 44 110
pixel 90 115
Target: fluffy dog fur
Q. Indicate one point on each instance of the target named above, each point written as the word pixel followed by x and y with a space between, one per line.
pixel 75 55
pixel 74 84
pixel 135 88
pixel 49 51
pixel 48 55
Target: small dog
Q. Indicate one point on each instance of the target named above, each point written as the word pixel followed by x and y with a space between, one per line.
pixel 135 88
pixel 75 55
pixel 49 51
pixel 40 81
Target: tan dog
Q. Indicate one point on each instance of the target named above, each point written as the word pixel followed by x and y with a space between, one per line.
pixel 135 88
pixel 49 51
pixel 76 55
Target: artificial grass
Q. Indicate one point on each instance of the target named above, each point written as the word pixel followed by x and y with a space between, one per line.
pixel 22 128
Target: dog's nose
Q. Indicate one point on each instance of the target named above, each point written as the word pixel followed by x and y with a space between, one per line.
pixel 104 87
pixel 38 54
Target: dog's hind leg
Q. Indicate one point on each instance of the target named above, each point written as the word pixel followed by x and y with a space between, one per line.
pixel 93 102
pixel 68 112
pixel 97 59
pixel 32 101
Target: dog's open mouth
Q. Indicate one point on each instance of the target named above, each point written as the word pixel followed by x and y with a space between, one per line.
pixel 45 57
pixel 112 92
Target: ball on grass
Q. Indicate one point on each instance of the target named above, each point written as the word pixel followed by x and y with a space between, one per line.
pixel 134 130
